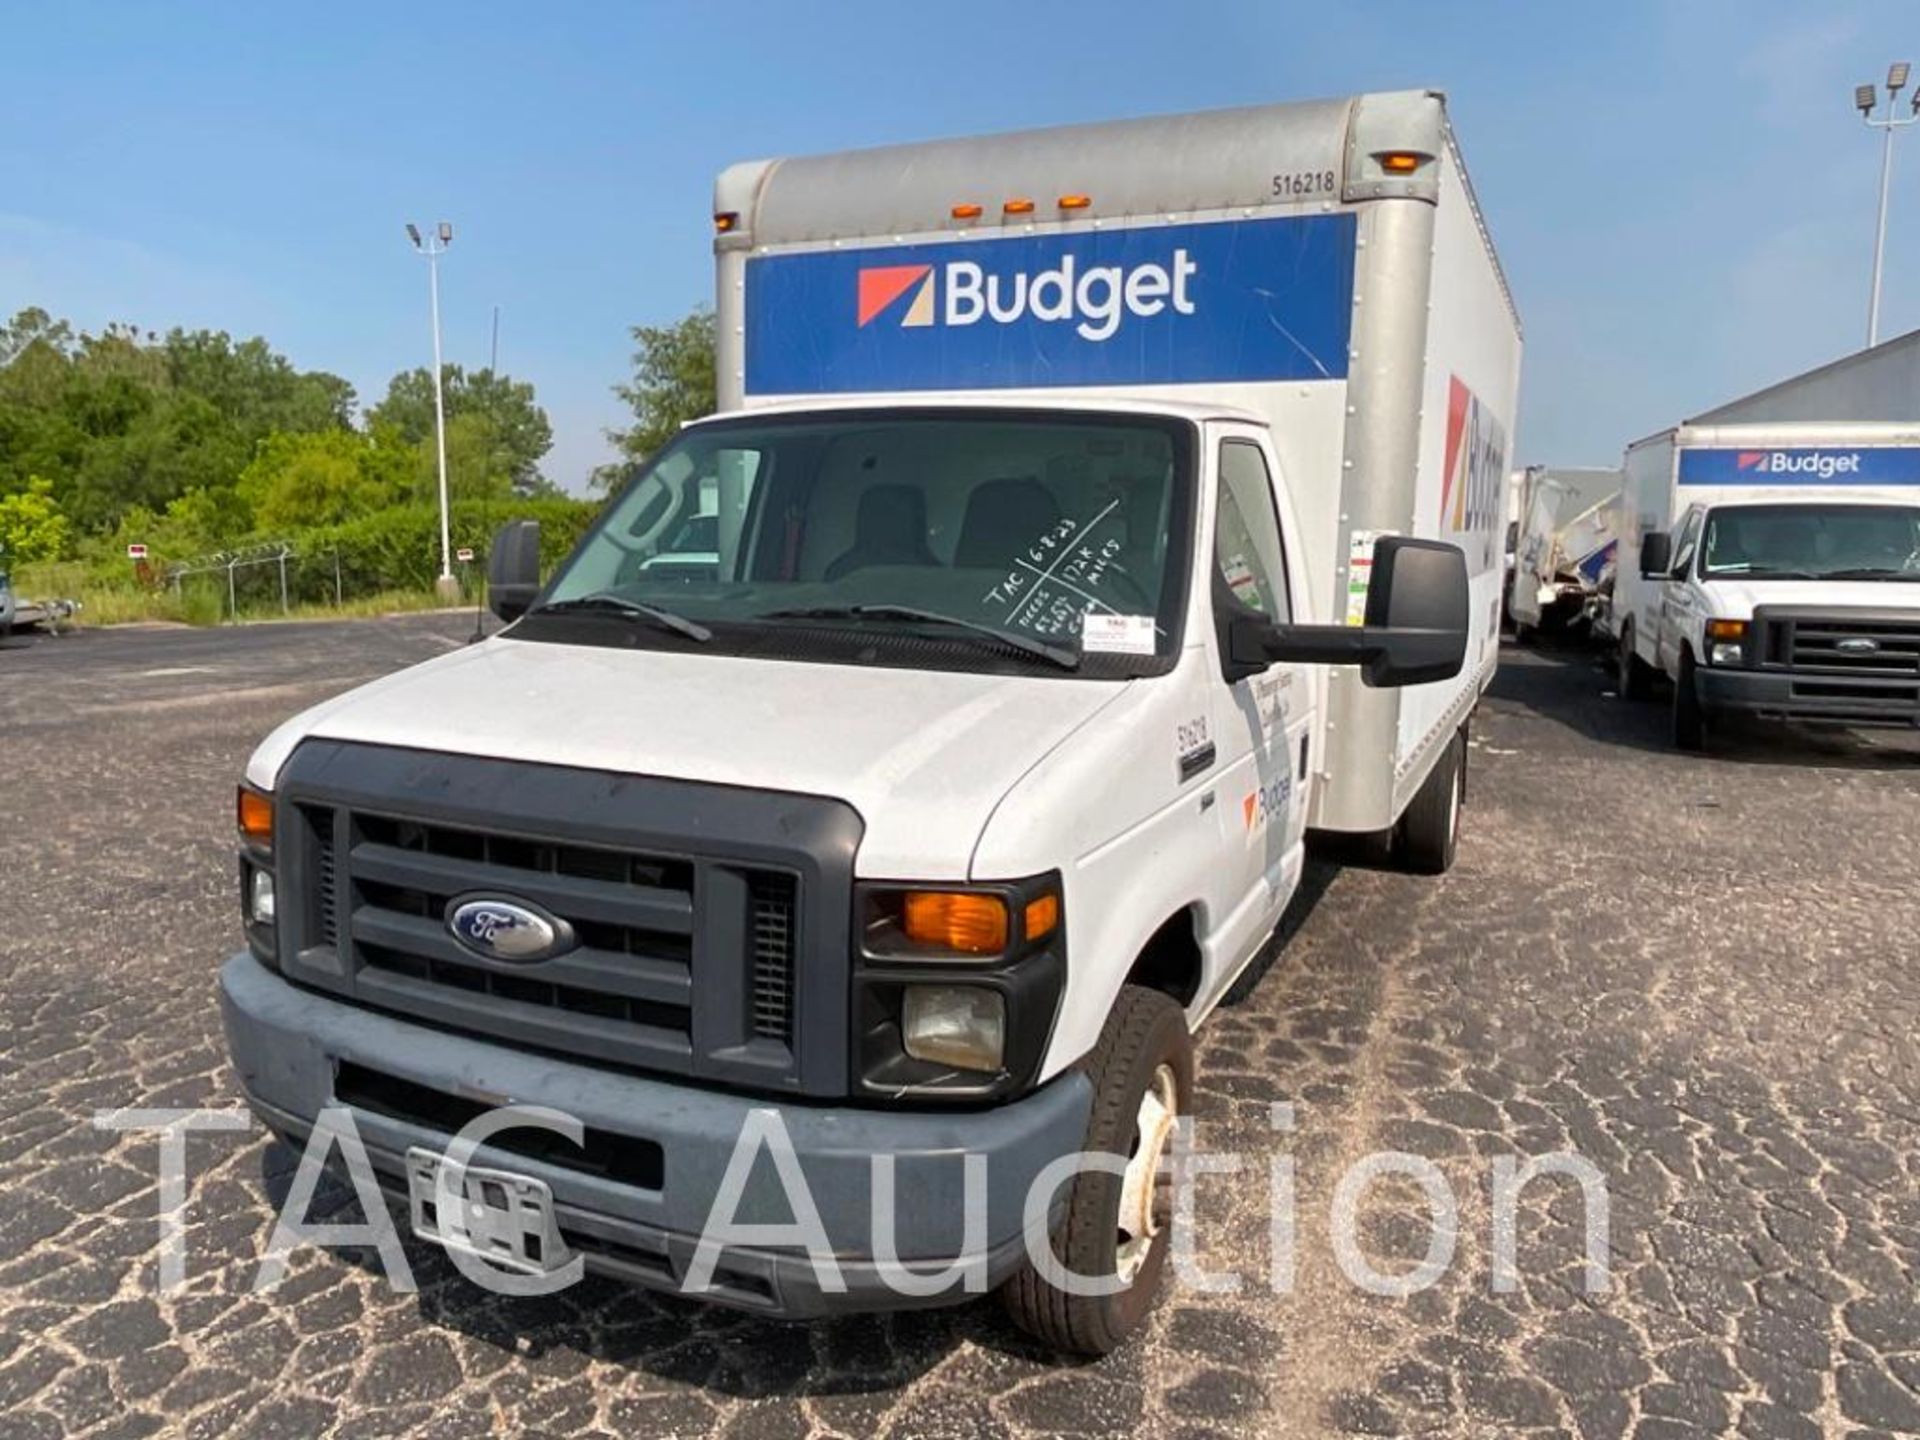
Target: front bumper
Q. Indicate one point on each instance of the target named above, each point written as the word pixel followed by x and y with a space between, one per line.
pixel 289 1046
pixel 1808 698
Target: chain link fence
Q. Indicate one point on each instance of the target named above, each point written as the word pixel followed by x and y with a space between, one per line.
pixel 278 577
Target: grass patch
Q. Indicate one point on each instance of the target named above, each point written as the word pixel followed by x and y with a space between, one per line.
pixel 200 600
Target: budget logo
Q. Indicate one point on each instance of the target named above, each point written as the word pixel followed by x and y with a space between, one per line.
pixel 1474 477
pixel 1094 299
pixel 882 285
pixel 1821 464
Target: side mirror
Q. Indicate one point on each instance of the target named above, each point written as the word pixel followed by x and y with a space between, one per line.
pixel 1416 622
pixel 513 568
pixel 1656 555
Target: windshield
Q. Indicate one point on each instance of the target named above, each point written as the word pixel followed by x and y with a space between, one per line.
pixel 1813 541
pixel 976 539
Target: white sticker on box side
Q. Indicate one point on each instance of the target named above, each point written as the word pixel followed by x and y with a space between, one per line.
pixel 1116 634
pixel 1360 573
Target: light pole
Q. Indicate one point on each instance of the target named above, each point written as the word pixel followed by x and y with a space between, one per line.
pixel 1865 99
pixel 433 246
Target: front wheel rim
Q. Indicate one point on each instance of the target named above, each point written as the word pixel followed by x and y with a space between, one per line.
pixel 1146 1184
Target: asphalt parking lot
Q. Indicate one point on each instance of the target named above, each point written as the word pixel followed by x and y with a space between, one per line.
pixel 1701 974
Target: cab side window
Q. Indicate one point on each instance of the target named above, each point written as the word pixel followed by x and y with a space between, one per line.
pixel 1250 566
pixel 1686 542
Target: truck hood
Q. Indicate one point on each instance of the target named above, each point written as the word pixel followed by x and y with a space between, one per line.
pixel 1737 599
pixel 924 756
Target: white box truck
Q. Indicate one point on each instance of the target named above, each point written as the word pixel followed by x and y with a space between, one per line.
pixel 1773 570
pixel 1092 511
pixel 1564 547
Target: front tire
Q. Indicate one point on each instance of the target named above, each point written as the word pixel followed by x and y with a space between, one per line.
pixel 1142 1076
pixel 1430 828
pixel 1689 715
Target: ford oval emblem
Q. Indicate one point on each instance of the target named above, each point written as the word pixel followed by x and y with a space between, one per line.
pixel 1857 645
pixel 497 927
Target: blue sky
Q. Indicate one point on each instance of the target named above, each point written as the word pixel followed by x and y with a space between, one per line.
pixel 1680 191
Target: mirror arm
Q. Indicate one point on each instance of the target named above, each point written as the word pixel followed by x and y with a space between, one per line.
pixel 1334 644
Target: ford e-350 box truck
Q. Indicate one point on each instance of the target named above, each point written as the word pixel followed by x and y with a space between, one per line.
pixel 1777 574
pixel 911 755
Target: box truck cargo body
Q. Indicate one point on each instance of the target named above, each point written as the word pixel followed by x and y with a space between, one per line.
pixel 1773 570
pixel 916 751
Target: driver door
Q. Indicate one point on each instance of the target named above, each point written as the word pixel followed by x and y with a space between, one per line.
pixel 1677 607
pixel 1263 721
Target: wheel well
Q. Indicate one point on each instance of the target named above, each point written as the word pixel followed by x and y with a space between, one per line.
pixel 1170 961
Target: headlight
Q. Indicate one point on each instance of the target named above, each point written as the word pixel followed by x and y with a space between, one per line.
pixel 259 909
pixel 955 987
pixel 1727 642
pixel 260 901
pixel 959 1025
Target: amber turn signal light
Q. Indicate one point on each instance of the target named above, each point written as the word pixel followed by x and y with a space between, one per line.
pixel 726 221
pixel 253 812
pixel 1018 207
pixel 966 212
pixel 969 924
pixel 1726 630
pixel 1042 915
pixel 1401 162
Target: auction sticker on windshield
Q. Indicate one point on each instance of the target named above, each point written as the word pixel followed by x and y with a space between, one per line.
pixel 1116 634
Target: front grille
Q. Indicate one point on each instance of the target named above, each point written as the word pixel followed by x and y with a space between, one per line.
pixel 622 994
pixel 773 906
pixel 1824 645
pixel 709 924
pixel 1863 663
pixel 324 906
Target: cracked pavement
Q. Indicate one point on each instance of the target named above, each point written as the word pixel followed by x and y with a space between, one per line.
pixel 1698 973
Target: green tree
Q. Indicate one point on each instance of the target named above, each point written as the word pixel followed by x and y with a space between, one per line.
pixel 127 419
pixel 673 382
pixel 200 522
pixel 30 327
pixel 256 389
pixel 504 431
pixel 31 525
pixel 324 478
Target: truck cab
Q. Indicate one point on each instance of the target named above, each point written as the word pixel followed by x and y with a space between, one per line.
pixel 1800 606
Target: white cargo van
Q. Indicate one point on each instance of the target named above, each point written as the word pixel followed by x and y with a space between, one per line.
pixel 1778 573
pixel 1093 512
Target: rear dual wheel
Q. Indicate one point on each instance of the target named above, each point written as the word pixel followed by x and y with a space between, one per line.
pixel 1430 828
pixel 1635 675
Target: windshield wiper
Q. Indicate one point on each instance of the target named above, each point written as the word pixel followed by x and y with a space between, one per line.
pixel 1870 572
pixel 607 601
pixel 1054 654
